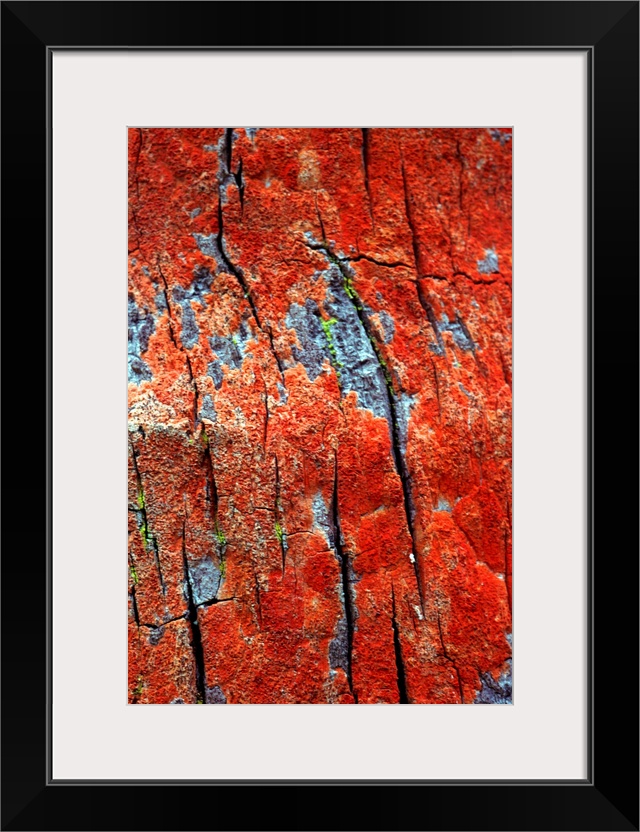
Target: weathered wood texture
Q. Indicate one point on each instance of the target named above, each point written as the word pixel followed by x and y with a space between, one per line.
pixel 319 415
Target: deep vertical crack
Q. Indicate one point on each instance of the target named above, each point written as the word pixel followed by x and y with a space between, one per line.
pixel 231 267
pixel 400 674
pixel 134 605
pixel 437 387
pixel 266 417
pixel 276 356
pixel 236 271
pixel 396 448
pixel 410 221
pixel 149 540
pixel 196 636
pixel 279 526
pixel 240 185
pixel 212 498
pixel 343 557
pixel 431 316
pixel 228 147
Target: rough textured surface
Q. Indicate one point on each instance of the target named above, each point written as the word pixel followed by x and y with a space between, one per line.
pixel 319 416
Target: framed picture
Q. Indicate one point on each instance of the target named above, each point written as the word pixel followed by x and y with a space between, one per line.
pixel 321 505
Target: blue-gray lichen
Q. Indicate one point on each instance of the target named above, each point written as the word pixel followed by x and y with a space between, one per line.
pixel 204 578
pixel 229 350
pixel 141 325
pixel 490 263
pixel 495 692
pixel 214 696
pixel 200 286
pixel 339 647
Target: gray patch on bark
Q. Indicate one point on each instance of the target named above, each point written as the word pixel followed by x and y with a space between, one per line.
pixel 387 324
pixel 161 302
pixel 230 351
pixel 208 411
pixel 200 286
pixel 140 327
pixel 155 634
pixel 312 352
pixel 208 245
pixel 204 577
pixel 403 405
pixel 500 136
pixel 284 395
pixel 138 370
pixel 214 369
pixel 178 701
pixel 495 692
pixel 214 696
pixel 190 331
pixel 339 647
pixel 460 335
pixel 321 518
pixel 490 263
pixel 360 370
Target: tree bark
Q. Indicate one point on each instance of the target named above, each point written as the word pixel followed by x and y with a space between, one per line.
pixel 319 415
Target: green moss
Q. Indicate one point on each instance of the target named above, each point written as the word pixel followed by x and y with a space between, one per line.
pixel 140 499
pixel 222 540
pixel 137 691
pixel 279 532
pixel 223 569
pixel 199 700
pixel 326 327
pixel 134 574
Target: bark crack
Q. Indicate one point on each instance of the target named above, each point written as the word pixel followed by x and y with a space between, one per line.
pixel 400 672
pixel 396 448
pixel 134 605
pixel 236 271
pixel 279 526
pixel 149 540
pixel 410 221
pixel 370 259
pixel 232 268
pixel 345 566
pixel 213 499
pixel 196 636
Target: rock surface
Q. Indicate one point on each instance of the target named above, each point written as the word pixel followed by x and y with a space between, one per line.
pixel 319 416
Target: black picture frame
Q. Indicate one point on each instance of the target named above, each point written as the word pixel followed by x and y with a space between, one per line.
pixel 608 798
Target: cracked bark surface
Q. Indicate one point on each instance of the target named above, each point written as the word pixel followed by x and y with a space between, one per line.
pixel 319 416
